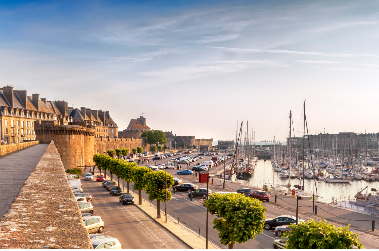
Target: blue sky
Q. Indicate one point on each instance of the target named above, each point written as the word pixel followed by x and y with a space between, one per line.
pixel 198 67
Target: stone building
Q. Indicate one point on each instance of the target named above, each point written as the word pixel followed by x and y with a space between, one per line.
pixel 175 142
pixel 225 144
pixel 135 128
pixel 19 113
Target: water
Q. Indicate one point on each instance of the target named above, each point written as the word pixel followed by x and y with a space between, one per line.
pixel 265 175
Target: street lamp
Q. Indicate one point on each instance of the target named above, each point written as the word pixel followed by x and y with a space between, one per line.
pixel 206 223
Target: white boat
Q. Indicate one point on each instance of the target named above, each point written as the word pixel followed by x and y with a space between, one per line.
pixel 309 174
pixel 277 168
pixel 369 177
pixel 293 175
pixel 337 179
pixel 284 174
pixel 358 176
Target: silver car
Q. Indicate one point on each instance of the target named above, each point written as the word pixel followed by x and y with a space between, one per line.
pixel 105 242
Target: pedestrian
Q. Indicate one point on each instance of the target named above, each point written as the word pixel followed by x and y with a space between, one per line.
pixel 90 169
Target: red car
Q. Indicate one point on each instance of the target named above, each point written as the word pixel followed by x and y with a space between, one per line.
pixel 260 195
pixel 100 178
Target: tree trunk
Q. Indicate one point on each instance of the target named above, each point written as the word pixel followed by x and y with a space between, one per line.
pixel 111 176
pixel 127 186
pixel 140 196
pixel 158 209
pixel 230 246
pixel 99 170
pixel 123 185
pixel 105 174
pixel 118 181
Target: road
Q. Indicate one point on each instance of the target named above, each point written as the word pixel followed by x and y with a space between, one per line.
pixel 127 223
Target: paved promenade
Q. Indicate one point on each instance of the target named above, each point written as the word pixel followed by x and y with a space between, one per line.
pixel 15 168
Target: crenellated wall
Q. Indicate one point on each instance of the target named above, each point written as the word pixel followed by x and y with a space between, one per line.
pixel 102 145
pixel 4 149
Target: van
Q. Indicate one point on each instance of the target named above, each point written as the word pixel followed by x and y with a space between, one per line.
pixel 208 163
pixel 88 196
pixel 93 224
pixel 85 207
pixel 73 176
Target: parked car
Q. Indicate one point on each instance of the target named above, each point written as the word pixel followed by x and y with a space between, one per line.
pixel 177 181
pixel 126 198
pixel 79 198
pixel 99 178
pixel 185 172
pixel 89 176
pixel 157 158
pixel 280 230
pixel 185 187
pixel 105 242
pixel 245 191
pixel 115 190
pixel 280 243
pixel 260 195
pixel 199 168
pixel 161 166
pixel 279 221
pixel 93 224
pixel 200 193
pixel 87 195
pixel 110 184
pixel 145 153
pixel 86 214
pixel 85 207
pixel 154 168
pixel 105 183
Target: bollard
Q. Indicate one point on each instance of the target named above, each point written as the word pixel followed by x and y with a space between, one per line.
pixel 190 195
pixel 373 225
pixel 276 196
pixel 212 181
pixel 315 209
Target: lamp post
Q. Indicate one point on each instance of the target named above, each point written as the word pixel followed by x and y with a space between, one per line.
pixel 165 209
pixel 206 223
pixel 223 186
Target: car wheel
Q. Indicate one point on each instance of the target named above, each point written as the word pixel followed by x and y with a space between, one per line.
pixel 101 229
pixel 279 233
pixel 267 200
pixel 267 226
pixel 91 212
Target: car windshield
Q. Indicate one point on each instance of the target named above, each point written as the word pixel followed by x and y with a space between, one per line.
pixel 116 188
pixel 127 196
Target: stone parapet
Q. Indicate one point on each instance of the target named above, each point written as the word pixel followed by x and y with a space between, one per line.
pixel 5 149
pixel 45 213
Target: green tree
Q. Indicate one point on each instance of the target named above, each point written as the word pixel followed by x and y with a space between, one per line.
pixel 118 153
pixel 165 147
pixel 154 137
pixel 321 234
pixel 97 158
pixel 140 149
pixel 111 153
pixel 134 150
pixel 124 151
pixel 238 218
pixel 159 148
pixel 194 147
pixel 156 189
pixel 126 173
pixel 138 174
pixel 153 148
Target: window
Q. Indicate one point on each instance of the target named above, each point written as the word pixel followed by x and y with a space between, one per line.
pixel 101 246
pixel 18 140
pixel 6 130
pixel 22 131
pixel 22 123
pixel 12 123
pixel 6 122
pixel 17 123
pixel 18 131
pixel 80 206
pixel 85 205
pixel 88 222
pixel 95 220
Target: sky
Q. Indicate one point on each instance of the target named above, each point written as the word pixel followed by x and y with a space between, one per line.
pixel 198 68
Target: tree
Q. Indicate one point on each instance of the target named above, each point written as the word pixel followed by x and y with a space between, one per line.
pixel 138 174
pixel 155 187
pixel 134 150
pixel 97 158
pixel 153 148
pixel 321 234
pixel 140 149
pixel 125 151
pixel 154 137
pixel 238 218
pixel 165 147
pixel 111 153
pixel 159 148
pixel 194 146
pixel 118 153
pixel 126 173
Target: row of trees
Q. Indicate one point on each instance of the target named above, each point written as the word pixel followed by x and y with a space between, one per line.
pixel 143 178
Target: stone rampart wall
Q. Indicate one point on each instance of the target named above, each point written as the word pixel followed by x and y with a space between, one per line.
pixel 204 142
pixel 45 213
pixel 102 145
pixel 4 149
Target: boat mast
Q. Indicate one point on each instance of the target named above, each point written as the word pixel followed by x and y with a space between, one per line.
pixel 248 145
pixel 289 176
pixel 303 164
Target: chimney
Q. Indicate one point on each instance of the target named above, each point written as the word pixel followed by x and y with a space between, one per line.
pixel 35 98
pixel 43 100
pixel 23 96
pixel 8 93
pixel 83 112
pixel 95 113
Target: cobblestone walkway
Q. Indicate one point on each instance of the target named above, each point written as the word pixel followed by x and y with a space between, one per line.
pixel 15 168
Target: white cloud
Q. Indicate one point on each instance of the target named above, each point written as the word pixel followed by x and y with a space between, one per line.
pixel 211 39
pixel 344 25
pixel 373 65
pixel 318 62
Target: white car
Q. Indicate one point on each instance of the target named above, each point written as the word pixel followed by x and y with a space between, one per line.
pixel 79 198
pixel 154 168
pixel 89 176
pixel 161 166
pixel 104 242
